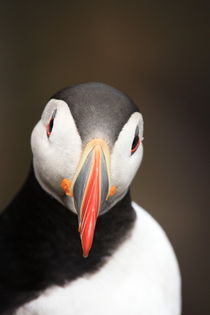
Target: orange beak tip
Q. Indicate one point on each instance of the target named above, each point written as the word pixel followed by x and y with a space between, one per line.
pixel 85 250
pixel 85 253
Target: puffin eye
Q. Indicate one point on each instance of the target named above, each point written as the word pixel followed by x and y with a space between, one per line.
pixel 50 124
pixel 136 141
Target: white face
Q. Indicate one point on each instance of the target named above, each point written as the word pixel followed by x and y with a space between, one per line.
pixel 124 163
pixel 56 156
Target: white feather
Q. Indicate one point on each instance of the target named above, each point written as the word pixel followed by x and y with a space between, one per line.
pixel 142 277
pixel 124 165
pixel 56 157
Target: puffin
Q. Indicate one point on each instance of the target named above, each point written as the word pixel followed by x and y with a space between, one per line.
pixel 72 241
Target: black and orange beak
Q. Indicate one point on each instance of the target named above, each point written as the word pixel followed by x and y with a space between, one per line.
pixel 90 189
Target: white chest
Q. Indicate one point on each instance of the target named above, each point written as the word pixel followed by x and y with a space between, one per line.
pixel 142 277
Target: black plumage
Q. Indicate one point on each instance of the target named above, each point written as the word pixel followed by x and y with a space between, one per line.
pixel 40 245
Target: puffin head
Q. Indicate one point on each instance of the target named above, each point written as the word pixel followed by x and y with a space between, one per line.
pixel 87 148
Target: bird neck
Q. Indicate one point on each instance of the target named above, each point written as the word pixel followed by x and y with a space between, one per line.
pixel 42 246
pixel 46 235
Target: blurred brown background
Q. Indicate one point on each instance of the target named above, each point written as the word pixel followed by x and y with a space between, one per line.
pixel 154 51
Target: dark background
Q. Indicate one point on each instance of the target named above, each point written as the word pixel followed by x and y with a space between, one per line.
pixel 155 51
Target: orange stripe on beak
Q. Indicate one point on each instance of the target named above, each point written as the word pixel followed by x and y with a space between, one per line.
pixel 91 203
pixel 90 188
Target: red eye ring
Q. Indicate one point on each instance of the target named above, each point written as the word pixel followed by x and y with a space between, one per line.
pixel 51 123
pixel 136 143
pixel 50 127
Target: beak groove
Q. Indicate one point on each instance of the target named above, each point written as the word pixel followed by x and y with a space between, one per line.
pixel 90 192
pixel 90 189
